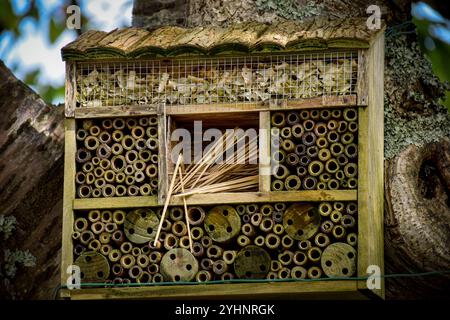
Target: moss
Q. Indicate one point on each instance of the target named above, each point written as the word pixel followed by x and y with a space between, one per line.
pixel 16 258
pixel 7 225
pixel 413 110
pixel 291 9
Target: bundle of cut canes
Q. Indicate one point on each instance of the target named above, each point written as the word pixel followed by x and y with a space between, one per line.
pixel 217 171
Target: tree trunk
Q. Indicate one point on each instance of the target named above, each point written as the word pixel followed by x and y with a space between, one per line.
pixel 417 178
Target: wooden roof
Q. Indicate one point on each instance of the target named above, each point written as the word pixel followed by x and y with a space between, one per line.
pixel 248 37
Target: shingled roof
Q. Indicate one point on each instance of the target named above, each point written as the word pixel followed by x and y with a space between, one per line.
pixel 212 40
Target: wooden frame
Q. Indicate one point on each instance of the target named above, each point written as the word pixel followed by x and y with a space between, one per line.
pixel 369 195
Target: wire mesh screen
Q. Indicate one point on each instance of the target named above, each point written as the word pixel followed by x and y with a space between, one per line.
pixel 193 81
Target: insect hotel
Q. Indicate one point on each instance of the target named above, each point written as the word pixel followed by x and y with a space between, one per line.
pixel 299 212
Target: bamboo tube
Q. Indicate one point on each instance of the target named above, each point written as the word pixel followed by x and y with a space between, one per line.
pixel 321 185
pixel 83 155
pixel 336 149
pixel 128 142
pixel 266 210
pixel 288 145
pixel 336 216
pixel 350 114
pixel 340 175
pixel 142 261
pixel 203 276
pixel 308 125
pixel 179 228
pixel 120 177
pixel 321 240
pixel 136 251
pixel 353 126
pixel 78 249
pixel 91 143
pixel 284 273
pixel 152 121
pixel 246 218
pixel 126 247
pixel 348 221
pixel 118 163
pixel 347 138
pixel 196 215
pixel 272 275
pixel 322 142
pixel 121 191
pixel 299 258
pixel 277 185
pixel 184 242
pixel 206 264
pixel 243 241
pixel 157 277
pixel 87 124
pixel 287 242
pixel 240 209
pixel 297 131
pixel 227 276
pixel 326 226
pixel 127 261
pixel 266 225
pixel 81 134
pixel 117 280
pixel 309 183
pixel 312 151
pixel 333 184
pixel 103 151
pixel 87 167
pixel 166 225
pixel 292 159
pixel 86 236
pixel 315 168
pixel 154 184
pixel 286 133
pixel 336 113
pixel 352 239
pixel 304 245
pixel 279 156
pixel 145 277
pixel 299 272
pixel 214 252
pixel 338 232
pixel 275 265
pixel 155 257
pixel 197 249
pixel 132 191
pixel 292 118
pixel 107 124
pixel 279 206
pixel 325 177
pixel 176 213
pixel 118 237
pixel 137 132
pixel 229 256
pixel 104 137
pixel 152 143
pixel 139 176
pixel 206 241
pixel 351 208
pixel 255 219
pixel 196 233
pixel 277 217
pixel 314 272
pixel 152 132
pixel 151 171
pixel 153 269
pixel 278 119
pixel 76 235
pixel 105 249
pixel 105 237
pixel 129 171
pixel 339 206
pixel 97 227
pixel 110 176
pixel 314 254
pixel 314 114
pixel 304 114
pixel 351 150
pixel 248 230
pixel 130 123
pixel 114 255
pixel 80 177
pixel 80 224
pixel 300 149
pixel 131 156
pixel 108 190
pixel 99 182
pixel 350 170
pixel 280 172
pixel 342 126
pixel 219 267
pixel 278 228
pixel 342 160
pixel 308 139
pixel 259 241
pixel 333 137
pixel 272 241
pixel 139 165
pixel 332 125
pixel 302 171
pixel 117 270
pixel 320 129
pixel 286 257
pixel 331 166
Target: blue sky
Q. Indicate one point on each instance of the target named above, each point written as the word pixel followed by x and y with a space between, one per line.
pixel 34 50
